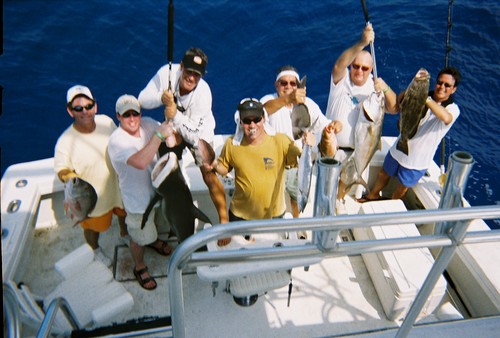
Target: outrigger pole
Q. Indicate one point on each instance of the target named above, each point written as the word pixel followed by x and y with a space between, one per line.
pixel 170 50
pixel 372 49
pixel 448 50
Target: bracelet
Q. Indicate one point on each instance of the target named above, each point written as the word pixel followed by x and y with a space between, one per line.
pixel 387 89
pixel 157 133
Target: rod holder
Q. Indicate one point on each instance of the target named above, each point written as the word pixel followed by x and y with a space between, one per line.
pixel 460 165
pixel 325 200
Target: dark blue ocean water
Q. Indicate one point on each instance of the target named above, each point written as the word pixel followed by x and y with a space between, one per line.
pixel 114 47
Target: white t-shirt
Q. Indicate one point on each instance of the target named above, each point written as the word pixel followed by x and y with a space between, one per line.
pixel 197 121
pixel 423 145
pixel 281 120
pixel 86 154
pixel 343 105
pixel 135 184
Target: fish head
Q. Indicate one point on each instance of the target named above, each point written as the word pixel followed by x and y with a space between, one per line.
pixel 167 164
pixel 203 153
pixel 422 75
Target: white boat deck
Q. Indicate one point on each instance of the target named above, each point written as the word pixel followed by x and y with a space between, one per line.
pixel 334 297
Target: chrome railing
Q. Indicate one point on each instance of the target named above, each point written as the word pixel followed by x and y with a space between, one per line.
pixel 12 323
pixel 452 222
pixel 50 316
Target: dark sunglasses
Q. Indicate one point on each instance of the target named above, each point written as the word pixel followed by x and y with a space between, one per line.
pixel 285 83
pixel 447 85
pixel 248 120
pixel 127 114
pixel 363 68
pixel 80 108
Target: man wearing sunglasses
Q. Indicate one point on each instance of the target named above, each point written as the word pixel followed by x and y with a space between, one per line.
pixel 442 112
pixel 259 157
pixel 351 83
pixel 133 149
pixel 81 151
pixel 279 106
pixel 182 86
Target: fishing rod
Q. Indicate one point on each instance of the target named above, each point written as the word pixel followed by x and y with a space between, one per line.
pixel 442 178
pixel 372 49
pixel 170 49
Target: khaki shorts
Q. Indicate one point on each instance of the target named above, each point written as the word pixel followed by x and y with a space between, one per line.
pixel 144 236
pixel 292 182
pixel 102 223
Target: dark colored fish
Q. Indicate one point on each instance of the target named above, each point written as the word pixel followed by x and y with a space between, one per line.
pixel 412 108
pixel 177 202
pixel 80 199
pixel 301 119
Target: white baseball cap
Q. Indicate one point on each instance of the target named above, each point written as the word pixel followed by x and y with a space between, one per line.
pixel 76 91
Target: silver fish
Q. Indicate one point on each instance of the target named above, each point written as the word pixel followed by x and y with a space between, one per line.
pixel 305 175
pixel 80 199
pixel 177 202
pixel 203 153
pixel 305 169
pixel 367 137
pixel 413 108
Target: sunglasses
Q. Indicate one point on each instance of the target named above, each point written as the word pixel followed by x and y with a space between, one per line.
pixel 447 85
pixel 127 114
pixel 248 120
pixel 363 68
pixel 285 83
pixel 81 108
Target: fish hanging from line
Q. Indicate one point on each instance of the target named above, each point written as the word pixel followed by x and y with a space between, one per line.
pixel 413 108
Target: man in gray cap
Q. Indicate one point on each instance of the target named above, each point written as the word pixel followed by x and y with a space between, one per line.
pixel 133 151
pixel 182 86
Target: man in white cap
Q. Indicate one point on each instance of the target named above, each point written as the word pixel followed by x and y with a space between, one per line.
pixel 81 152
pixel 133 151
pixel 184 88
pixel 280 107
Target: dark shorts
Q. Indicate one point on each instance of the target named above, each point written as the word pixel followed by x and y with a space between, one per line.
pixel 407 177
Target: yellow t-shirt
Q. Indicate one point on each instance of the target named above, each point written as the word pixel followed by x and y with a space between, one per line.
pixel 259 175
pixel 86 154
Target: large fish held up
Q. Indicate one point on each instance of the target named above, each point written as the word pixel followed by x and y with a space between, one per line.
pixel 80 199
pixel 177 202
pixel 413 108
pixel 368 133
pixel 305 169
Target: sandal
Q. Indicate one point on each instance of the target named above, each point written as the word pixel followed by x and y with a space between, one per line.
pixel 161 249
pixel 364 199
pixel 144 281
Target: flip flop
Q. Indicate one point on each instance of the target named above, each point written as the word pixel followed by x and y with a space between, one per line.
pixel 142 281
pixel 364 199
pixel 161 249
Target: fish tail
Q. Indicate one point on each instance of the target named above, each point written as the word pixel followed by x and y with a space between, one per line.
pixel 403 146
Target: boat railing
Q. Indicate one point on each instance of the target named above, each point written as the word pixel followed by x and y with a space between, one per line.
pixel 50 316
pixel 456 218
pixel 11 313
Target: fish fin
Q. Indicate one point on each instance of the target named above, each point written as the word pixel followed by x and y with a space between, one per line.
pixel 200 215
pixel 151 204
pixel 402 146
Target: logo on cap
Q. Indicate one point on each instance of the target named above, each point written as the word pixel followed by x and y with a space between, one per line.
pixel 197 60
